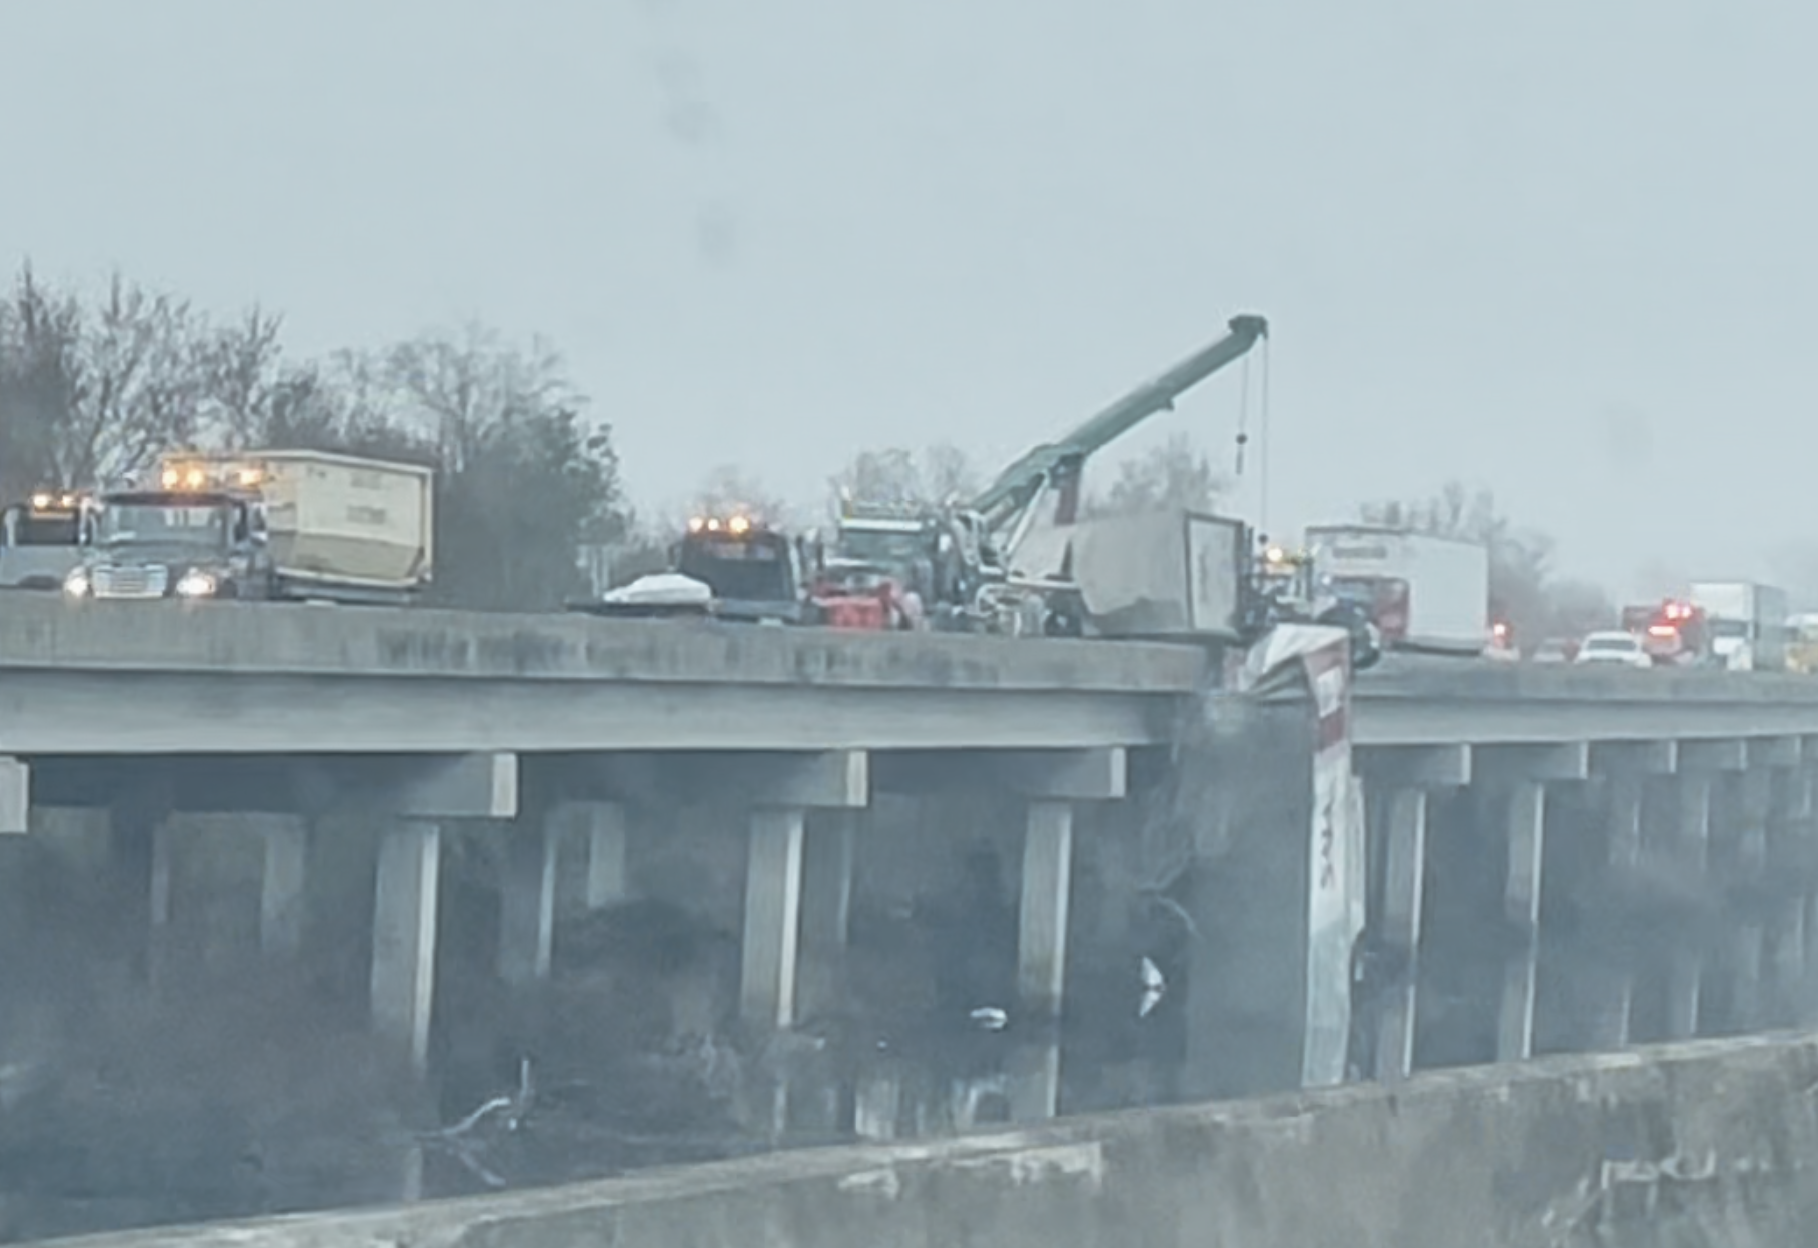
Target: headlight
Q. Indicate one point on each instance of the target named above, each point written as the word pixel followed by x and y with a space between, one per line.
pixel 196 585
pixel 76 584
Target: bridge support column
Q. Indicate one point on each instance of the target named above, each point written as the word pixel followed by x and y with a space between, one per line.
pixel 782 794
pixel 15 797
pixel 608 873
pixel 1606 975
pixel 527 896
pixel 1522 774
pixel 404 937
pixel 1402 779
pixel 1788 832
pixel 827 861
pixel 1685 970
pixel 773 898
pixel 1526 811
pixel 475 786
pixel 1747 797
pixel 139 854
pixel 1051 782
pixel 283 899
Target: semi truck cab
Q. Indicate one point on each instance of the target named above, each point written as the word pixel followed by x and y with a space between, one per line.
pixel 201 543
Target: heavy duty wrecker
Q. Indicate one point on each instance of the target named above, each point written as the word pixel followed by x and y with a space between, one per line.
pixel 995 563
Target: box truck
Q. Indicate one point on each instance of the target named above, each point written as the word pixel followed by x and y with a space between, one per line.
pixel 1424 593
pixel 1747 622
pixel 284 525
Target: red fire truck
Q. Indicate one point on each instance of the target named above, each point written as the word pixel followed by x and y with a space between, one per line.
pixel 1674 633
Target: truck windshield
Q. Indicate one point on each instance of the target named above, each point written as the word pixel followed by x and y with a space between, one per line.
pixel 45 529
pixel 748 569
pixel 883 546
pixel 162 524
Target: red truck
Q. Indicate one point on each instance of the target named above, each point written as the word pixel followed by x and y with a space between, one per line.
pixel 1674 632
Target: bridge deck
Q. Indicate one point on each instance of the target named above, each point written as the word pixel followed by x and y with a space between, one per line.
pixel 101 678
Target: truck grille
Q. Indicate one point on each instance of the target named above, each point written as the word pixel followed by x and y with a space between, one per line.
pixel 130 582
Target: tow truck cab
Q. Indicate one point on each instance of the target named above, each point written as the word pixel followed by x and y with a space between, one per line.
pixel 40 540
pixel 755 572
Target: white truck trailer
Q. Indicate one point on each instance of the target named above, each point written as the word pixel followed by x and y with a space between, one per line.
pixel 1424 593
pixel 1747 622
pixel 286 525
pixel 1162 575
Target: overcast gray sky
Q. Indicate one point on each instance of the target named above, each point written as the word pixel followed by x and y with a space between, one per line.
pixel 1562 249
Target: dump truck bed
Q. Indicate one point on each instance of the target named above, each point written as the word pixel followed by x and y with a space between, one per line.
pixel 338 518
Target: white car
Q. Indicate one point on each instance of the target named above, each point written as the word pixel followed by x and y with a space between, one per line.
pixel 1614 647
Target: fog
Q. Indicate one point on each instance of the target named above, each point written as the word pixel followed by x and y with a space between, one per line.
pixel 1562 253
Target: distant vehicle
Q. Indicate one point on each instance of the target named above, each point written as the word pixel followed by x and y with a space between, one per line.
pixel 285 525
pixel 1554 650
pixel 1675 633
pixel 1617 647
pixel 733 568
pixel 40 540
pixel 1425 594
pixel 1748 623
pixel 1802 646
pixel 1502 647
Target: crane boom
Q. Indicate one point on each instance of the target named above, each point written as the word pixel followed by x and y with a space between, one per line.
pixel 1058 463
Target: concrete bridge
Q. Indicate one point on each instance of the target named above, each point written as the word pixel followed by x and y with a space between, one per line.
pixel 1707 1145
pixel 1505 804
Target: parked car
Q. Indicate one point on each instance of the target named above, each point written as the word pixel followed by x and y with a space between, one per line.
pixel 1620 648
pixel 1554 650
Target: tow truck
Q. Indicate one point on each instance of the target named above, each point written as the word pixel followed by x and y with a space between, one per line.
pixel 41 539
pixel 982 574
pixel 734 568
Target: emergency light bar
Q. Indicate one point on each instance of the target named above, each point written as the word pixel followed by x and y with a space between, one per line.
pixel 179 475
pixel 736 526
pixel 44 500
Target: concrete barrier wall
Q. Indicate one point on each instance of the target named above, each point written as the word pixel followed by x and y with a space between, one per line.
pixel 1703 1144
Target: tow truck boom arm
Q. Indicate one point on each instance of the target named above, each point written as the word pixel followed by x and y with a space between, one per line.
pixel 1019 485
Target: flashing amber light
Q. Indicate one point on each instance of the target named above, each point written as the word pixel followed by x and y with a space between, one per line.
pixel 739 525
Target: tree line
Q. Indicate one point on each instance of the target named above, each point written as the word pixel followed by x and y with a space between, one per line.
pixel 529 487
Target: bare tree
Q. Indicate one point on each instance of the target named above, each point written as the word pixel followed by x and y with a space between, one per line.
pixel 1522 586
pixel 728 488
pixel 1176 474
pixel 940 474
pixel 466 387
pixel 241 380
pixel 96 392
